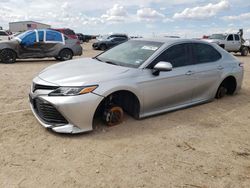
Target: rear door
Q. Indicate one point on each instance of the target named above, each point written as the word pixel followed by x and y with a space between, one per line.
pixel 208 71
pixel 53 42
pixel 237 42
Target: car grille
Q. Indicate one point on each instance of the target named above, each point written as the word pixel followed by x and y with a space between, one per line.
pixel 43 87
pixel 48 113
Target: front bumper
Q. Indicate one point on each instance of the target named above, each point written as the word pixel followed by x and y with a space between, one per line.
pixel 78 111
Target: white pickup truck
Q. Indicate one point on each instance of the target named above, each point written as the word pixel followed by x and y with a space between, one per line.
pixel 230 42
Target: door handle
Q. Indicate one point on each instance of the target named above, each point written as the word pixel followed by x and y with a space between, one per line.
pixel 220 68
pixel 190 73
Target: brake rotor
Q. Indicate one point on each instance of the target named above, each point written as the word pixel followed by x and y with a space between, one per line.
pixel 114 116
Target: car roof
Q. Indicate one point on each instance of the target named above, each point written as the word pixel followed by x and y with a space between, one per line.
pixel 170 41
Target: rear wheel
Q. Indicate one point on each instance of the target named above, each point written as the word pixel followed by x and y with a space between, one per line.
pixel 65 55
pixel 227 87
pixel 244 51
pixel 222 91
pixel 8 56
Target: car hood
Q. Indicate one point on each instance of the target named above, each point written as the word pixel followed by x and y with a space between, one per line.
pixel 8 44
pixel 80 72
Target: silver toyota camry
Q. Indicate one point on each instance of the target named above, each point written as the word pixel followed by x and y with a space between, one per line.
pixel 141 77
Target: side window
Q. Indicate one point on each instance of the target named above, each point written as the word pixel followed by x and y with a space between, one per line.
pixel 53 36
pixel 118 39
pixel 29 40
pixel 230 38
pixel 177 55
pixel 3 33
pixel 205 53
pixel 236 37
pixel 40 36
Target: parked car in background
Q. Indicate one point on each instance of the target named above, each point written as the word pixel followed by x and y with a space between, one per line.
pixel 39 44
pixel 141 77
pixel 105 37
pixel 68 32
pixel 4 35
pixel 231 42
pixel 109 43
pixel 84 38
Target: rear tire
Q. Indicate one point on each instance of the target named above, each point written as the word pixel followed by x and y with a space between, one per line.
pixel 244 51
pixel 8 56
pixel 221 92
pixel 65 55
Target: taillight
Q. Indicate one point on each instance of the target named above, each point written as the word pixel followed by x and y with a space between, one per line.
pixel 78 42
pixel 241 64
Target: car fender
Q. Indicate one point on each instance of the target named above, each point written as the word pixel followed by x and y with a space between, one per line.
pixel 9 45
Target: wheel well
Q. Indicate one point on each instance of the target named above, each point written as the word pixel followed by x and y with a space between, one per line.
pixel 127 100
pixel 230 83
pixel 66 49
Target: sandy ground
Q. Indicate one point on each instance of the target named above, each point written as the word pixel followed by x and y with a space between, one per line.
pixel 203 146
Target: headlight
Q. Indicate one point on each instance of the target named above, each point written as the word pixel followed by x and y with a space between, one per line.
pixel 72 91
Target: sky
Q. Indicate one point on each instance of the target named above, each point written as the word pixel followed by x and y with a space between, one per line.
pixel 185 18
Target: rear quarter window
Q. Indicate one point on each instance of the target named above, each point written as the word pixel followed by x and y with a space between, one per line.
pixel 204 53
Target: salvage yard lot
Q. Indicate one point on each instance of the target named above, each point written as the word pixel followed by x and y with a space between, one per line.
pixel 203 146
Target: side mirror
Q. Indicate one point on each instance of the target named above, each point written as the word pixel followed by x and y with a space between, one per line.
pixel 162 66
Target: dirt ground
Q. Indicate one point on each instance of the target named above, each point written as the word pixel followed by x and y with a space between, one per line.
pixel 199 147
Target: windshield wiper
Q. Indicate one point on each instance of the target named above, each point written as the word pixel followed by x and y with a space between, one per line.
pixel 97 59
pixel 108 62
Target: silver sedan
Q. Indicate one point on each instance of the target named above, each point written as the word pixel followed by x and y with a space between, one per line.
pixel 141 77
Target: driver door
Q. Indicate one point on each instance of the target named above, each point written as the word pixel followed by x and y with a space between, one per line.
pixel 169 89
pixel 30 47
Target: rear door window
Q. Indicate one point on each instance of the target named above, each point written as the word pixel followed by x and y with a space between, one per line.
pixel 53 36
pixel 236 37
pixel 204 53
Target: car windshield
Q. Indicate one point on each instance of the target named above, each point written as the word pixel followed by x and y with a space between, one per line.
pixel 218 36
pixel 23 35
pixel 130 54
